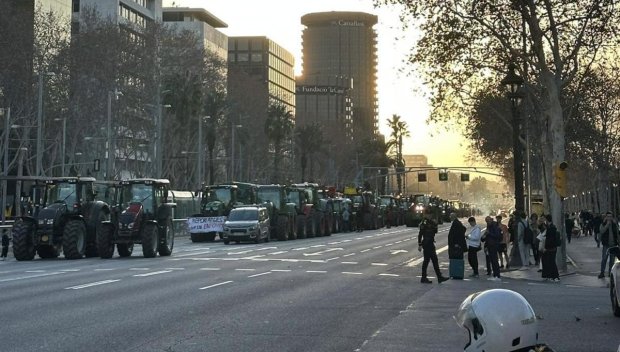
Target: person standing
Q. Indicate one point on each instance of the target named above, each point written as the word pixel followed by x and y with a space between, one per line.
pixel 456 238
pixel 473 245
pixel 533 224
pixel 550 234
pixel 492 238
pixel 346 219
pixel 503 245
pixel 524 248
pixel 5 244
pixel 568 227
pixel 609 238
pixel 426 242
pixel 597 221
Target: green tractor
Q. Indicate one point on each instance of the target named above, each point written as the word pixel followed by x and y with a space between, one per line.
pixel 297 197
pixel 142 215
pixel 316 220
pixel 65 218
pixel 282 213
pixel 217 202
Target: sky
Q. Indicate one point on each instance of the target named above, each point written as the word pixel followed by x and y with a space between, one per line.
pixel 280 20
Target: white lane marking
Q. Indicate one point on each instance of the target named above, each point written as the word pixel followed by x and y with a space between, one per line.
pixel 347 240
pixel 389 244
pixel 407 239
pixel 174 269
pixel 91 284
pixel 318 245
pixel 290 260
pixel 140 269
pixel 210 269
pixel 415 262
pixel 398 241
pixel 378 264
pixel 265 248
pixel 359 238
pixel 275 253
pixel 245 269
pixel 348 255
pixel 153 273
pixel 330 259
pixel 365 250
pixel 393 275
pixel 377 247
pixel 193 253
pixel 194 249
pixel 257 259
pixel 323 252
pixel 32 276
pixel 104 269
pixel 300 248
pixel 281 270
pixel 333 243
pixel 348 262
pixel 351 273
pixel 316 271
pixel 396 251
pixel 230 259
pixel 242 252
pixel 37 271
pixel 69 270
pixel 261 274
pixel 216 285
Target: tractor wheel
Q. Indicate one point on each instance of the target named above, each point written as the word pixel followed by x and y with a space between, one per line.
pixel 92 247
pixel 310 226
pixel 105 241
pixel 292 229
pixel 282 228
pixel 165 248
pixel 47 252
pixel 23 240
pixel 150 240
pixel 319 222
pixel 124 249
pixel 328 226
pixel 74 239
pixel 301 226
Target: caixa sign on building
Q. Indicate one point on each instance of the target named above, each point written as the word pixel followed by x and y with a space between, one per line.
pixel 348 23
pixel 319 90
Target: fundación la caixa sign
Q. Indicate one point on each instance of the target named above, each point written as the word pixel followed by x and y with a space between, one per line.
pixel 319 90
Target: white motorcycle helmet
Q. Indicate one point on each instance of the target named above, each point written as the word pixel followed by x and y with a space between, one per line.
pixel 498 320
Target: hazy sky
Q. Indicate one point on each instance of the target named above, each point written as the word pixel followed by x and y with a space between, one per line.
pixel 280 20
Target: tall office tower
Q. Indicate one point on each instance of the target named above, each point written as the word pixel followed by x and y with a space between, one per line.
pixel 342 46
pixel 259 72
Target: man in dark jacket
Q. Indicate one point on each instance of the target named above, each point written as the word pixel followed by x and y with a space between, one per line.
pixel 456 238
pixel 5 244
pixel 492 238
pixel 549 266
pixel 426 242
pixel 610 237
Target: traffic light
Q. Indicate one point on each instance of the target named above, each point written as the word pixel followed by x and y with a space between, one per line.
pixel 443 176
pixel 464 177
pixel 559 178
pixel 422 177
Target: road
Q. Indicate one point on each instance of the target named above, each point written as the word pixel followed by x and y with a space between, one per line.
pixel 320 294
pixel 346 292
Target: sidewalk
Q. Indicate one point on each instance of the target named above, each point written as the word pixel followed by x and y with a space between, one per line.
pixel 583 265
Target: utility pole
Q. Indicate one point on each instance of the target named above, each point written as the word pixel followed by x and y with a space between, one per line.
pixel 5 172
pixel 39 125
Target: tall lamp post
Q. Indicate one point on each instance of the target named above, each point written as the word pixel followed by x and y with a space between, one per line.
pixel 513 82
pixel 64 143
pixel 232 152
pixel 5 169
pixel 111 150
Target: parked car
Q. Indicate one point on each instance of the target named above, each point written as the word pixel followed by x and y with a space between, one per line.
pixel 247 223
pixel 614 285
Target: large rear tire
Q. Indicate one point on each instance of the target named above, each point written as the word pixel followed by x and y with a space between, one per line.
pixel 124 249
pixel 301 226
pixel 150 240
pixel 311 226
pixel 282 228
pixel 23 240
pixel 92 245
pixel 74 239
pixel 167 244
pixel 105 241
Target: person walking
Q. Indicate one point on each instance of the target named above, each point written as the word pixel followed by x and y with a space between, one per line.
pixel 568 227
pixel 426 242
pixel 597 221
pixel 5 244
pixel 609 238
pixel 550 234
pixel 533 224
pixel 492 239
pixel 457 244
pixel 473 245
pixel 525 244
pixel 503 245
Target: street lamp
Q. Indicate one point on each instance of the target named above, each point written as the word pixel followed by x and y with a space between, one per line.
pixel 111 151
pixel 64 142
pixel 232 152
pixel 40 121
pixel 513 83
pixel 5 169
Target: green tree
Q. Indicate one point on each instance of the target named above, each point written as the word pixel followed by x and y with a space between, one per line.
pixel 278 128
pixel 399 130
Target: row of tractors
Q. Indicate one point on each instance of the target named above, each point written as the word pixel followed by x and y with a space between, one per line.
pixel 83 217
pixel 302 210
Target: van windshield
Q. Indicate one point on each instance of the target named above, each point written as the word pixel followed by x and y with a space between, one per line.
pixel 243 215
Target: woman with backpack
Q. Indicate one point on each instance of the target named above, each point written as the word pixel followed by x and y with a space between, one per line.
pixel 550 236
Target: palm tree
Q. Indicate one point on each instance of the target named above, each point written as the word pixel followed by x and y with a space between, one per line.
pixel 309 140
pixel 278 128
pixel 399 130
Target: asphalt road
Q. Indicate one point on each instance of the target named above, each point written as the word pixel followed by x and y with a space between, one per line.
pixel 321 294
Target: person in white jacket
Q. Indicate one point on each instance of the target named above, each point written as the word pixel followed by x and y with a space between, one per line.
pixel 474 245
